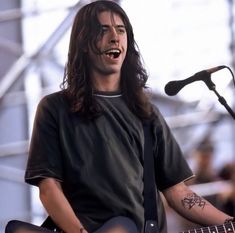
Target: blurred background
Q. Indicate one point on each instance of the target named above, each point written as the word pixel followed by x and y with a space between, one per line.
pixel 176 38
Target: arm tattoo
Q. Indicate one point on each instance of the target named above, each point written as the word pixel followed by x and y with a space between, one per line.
pixel 191 200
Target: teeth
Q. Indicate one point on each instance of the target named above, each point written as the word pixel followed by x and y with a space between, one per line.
pixel 113 51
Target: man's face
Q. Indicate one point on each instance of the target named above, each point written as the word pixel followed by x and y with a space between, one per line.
pixel 112 45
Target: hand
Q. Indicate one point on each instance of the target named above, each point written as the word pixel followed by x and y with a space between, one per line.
pixel 230 220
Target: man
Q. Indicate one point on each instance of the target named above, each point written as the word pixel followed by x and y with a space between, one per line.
pixel 86 152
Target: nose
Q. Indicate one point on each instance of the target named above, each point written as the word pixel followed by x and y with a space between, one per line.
pixel 114 36
pixel 114 41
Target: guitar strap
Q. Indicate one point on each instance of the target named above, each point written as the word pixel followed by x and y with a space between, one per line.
pixel 150 203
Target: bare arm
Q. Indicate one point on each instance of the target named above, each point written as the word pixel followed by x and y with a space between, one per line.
pixel 58 207
pixel 193 207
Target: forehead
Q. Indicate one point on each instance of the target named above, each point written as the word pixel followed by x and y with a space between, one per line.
pixel 110 18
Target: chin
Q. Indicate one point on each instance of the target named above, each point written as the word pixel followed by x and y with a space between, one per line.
pixel 112 71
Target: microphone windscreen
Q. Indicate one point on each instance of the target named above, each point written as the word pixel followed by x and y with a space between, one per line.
pixel 172 88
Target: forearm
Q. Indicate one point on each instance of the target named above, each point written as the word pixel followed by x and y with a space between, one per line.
pixel 200 211
pixel 193 207
pixel 58 207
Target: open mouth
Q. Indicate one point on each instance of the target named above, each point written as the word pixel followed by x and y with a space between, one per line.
pixel 113 53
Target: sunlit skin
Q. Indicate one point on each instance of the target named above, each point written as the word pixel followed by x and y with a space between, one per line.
pixel 105 70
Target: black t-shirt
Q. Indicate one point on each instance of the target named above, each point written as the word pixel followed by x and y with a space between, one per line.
pixel 98 162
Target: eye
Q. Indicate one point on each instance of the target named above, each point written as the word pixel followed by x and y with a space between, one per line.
pixel 104 29
pixel 120 29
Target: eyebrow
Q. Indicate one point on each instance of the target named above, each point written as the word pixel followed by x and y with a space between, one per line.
pixel 118 25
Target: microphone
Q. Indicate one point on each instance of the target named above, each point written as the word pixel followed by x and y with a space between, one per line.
pixel 173 87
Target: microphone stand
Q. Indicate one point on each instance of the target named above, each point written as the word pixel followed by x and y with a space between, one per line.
pixel 221 99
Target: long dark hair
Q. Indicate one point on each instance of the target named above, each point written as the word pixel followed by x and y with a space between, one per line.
pixel 77 83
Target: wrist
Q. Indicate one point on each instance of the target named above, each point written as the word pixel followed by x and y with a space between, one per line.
pixel 78 228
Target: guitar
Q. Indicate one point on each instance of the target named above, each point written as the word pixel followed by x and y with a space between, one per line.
pixel 224 228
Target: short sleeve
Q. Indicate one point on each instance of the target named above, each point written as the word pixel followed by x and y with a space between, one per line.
pixel 171 166
pixel 44 153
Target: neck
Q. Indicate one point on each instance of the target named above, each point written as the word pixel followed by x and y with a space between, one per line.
pixel 106 82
